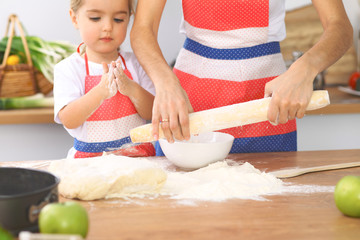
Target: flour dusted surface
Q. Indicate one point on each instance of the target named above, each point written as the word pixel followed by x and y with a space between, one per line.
pixel 107 176
pixel 123 177
pixel 220 181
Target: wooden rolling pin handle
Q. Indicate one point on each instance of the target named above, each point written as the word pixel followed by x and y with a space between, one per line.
pixel 288 173
pixel 228 116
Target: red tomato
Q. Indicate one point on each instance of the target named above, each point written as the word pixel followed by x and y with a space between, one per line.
pixel 353 79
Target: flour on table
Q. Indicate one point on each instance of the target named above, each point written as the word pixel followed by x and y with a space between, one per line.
pixel 107 177
pixel 113 176
pixel 220 181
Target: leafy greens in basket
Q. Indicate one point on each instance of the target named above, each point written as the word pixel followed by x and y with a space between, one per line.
pixel 44 54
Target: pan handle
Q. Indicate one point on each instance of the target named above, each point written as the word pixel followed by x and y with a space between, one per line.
pixel 34 210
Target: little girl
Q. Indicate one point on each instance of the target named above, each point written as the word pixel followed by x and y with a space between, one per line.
pixel 98 104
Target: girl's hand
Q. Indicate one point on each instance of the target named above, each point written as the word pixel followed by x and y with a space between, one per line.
pixel 107 85
pixel 122 81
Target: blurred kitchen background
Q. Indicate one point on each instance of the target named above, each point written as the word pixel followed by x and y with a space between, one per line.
pixel 49 19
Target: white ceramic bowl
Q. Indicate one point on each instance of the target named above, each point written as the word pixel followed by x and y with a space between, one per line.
pixel 199 151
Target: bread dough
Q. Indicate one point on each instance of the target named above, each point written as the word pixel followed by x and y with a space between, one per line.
pixel 107 177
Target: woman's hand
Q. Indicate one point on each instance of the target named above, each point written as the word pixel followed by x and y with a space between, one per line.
pixel 291 93
pixel 171 112
pixel 171 105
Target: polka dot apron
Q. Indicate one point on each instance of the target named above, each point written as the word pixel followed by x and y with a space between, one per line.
pixel 226 59
pixel 108 127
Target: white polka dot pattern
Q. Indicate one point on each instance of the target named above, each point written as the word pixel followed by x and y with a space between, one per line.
pixel 241 70
pixel 226 15
pixel 109 125
pixel 101 131
pixel 246 37
pixel 226 59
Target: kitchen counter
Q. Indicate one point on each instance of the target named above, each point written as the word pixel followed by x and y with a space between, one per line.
pixel 27 116
pixel 286 216
pixel 341 103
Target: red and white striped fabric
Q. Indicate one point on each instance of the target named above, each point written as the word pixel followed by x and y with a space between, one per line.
pixel 108 127
pixel 227 59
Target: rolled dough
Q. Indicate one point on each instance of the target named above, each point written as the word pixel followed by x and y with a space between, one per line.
pixel 107 176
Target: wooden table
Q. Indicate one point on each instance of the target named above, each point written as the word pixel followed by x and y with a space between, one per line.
pixel 287 216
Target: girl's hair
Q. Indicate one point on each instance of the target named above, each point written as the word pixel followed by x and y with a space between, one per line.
pixel 76 4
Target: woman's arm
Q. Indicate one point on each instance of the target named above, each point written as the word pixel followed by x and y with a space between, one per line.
pixel 292 90
pixel 171 101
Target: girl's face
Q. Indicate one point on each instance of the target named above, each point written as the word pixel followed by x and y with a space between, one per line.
pixel 102 25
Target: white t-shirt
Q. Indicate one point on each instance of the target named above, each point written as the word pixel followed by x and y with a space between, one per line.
pixel 69 83
pixel 277 29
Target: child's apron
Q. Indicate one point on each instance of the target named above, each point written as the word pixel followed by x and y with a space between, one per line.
pixel 108 127
pixel 226 59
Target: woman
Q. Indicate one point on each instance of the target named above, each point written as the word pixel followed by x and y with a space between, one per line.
pixel 231 55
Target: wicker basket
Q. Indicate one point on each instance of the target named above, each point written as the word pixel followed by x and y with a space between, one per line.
pixel 20 79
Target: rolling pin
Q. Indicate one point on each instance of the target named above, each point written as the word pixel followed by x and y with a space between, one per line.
pixel 228 116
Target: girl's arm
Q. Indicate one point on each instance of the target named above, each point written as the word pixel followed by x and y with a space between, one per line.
pixel 292 90
pixel 75 113
pixel 142 99
pixel 171 101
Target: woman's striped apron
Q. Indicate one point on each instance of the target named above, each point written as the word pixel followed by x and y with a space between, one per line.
pixel 226 59
pixel 108 127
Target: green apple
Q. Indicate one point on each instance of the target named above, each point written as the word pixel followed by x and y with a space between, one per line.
pixel 5 235
pixel 347 195
pixel 65 218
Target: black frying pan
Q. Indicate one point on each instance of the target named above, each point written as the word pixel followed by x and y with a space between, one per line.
pixel 23 193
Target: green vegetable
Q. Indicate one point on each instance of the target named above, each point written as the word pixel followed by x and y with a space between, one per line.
pixel 35 101
pixel 44 54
